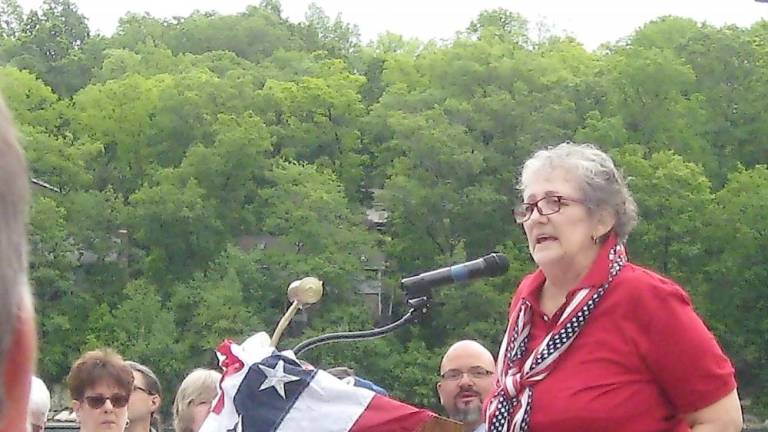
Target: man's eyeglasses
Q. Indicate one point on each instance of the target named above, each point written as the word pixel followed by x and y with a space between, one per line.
pixel 142 389
pixel 117 400
pixel 547 205
pixel 475 372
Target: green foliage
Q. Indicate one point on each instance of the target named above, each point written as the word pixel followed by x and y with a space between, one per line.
pixel 172 222
pixel 205 162
pixel 672 195
pixel 735 236
pixel 33 102
pixel 145 331
pixel 11 19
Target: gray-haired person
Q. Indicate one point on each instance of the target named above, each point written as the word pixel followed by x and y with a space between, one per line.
pixel 595 342
pixel 144 405
pixel 17 316
pixel 39 405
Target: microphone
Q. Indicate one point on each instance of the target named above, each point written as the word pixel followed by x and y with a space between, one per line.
pixel 492 265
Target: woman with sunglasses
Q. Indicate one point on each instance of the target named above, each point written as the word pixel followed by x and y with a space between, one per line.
pixel 594 342
pixel 100 384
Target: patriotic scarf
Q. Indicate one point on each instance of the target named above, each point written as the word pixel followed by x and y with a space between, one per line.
pixel 509 409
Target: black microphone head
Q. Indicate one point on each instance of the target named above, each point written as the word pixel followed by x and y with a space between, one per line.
pixel 496 264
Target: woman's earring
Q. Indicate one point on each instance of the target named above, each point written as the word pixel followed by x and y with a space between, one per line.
pixel 594 238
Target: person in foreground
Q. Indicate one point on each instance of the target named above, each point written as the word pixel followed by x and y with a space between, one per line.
pixel 17 317
pixel 595 343
pixel 467 374
pixel 100 384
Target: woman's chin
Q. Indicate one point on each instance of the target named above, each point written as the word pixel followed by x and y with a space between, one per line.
pixel 546 258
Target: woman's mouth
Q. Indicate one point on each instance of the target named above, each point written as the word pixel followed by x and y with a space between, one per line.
pixel 544 239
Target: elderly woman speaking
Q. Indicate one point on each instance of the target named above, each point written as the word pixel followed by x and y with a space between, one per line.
pixel 595 343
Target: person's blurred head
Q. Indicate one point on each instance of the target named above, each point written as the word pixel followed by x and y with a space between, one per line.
pixel 467 375
pixel 17 318
pixel 100 384
pixel 194 398
pixel 145 399
pixel 347 376
pixel 39 404
pixel 341 372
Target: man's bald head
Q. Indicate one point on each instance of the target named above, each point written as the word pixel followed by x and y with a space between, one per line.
pixel 468 349
pixel 467 374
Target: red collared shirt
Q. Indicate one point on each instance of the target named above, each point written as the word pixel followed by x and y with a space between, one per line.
pixel 643 358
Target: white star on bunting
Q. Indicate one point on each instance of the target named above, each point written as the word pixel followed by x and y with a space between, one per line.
pixel 276 378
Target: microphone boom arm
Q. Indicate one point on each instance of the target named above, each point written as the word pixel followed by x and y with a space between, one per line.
pixel 418 306
pixel 418 293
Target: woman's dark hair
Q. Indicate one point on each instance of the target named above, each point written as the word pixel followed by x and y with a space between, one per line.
pixel 94 367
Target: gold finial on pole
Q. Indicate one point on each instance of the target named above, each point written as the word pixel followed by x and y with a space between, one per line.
pixel 301 292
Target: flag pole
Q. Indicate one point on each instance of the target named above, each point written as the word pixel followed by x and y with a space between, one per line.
pixel 301 292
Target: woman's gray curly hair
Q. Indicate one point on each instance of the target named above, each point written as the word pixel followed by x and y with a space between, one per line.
pixel 603 187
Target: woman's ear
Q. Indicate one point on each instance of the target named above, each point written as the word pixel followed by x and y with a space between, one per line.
pixel 155 403
pixel 76 405
pixel 606 220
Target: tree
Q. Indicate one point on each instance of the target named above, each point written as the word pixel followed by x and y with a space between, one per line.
pixel 172 222
pixel 122 128
pixel 233 170
pixel 337 38
pixel 735 235
pixel 436 183
pixel 672 196
pixel 316 120
pixel 53 260
pixel 11 19
pixel 653 92
pixel 53 254
pixel 158 118
pixel 201 32
pixel 56 30
pixel 134 30
pixel 307 207
pixel 32 102
pixel 58 161
pixel 144 331
pixel 500 24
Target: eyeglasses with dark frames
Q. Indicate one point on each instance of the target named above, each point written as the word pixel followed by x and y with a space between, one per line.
pixel 142 389
pixel 117 400
pixel 546 205
pixel 475 372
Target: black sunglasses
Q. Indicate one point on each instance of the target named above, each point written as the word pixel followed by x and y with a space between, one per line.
pixel 117 400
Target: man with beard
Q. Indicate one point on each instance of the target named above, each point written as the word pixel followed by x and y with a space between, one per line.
pixel 467 374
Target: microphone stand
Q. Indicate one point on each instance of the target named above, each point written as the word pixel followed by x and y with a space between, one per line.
pixel 418 294
pixel 417 307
